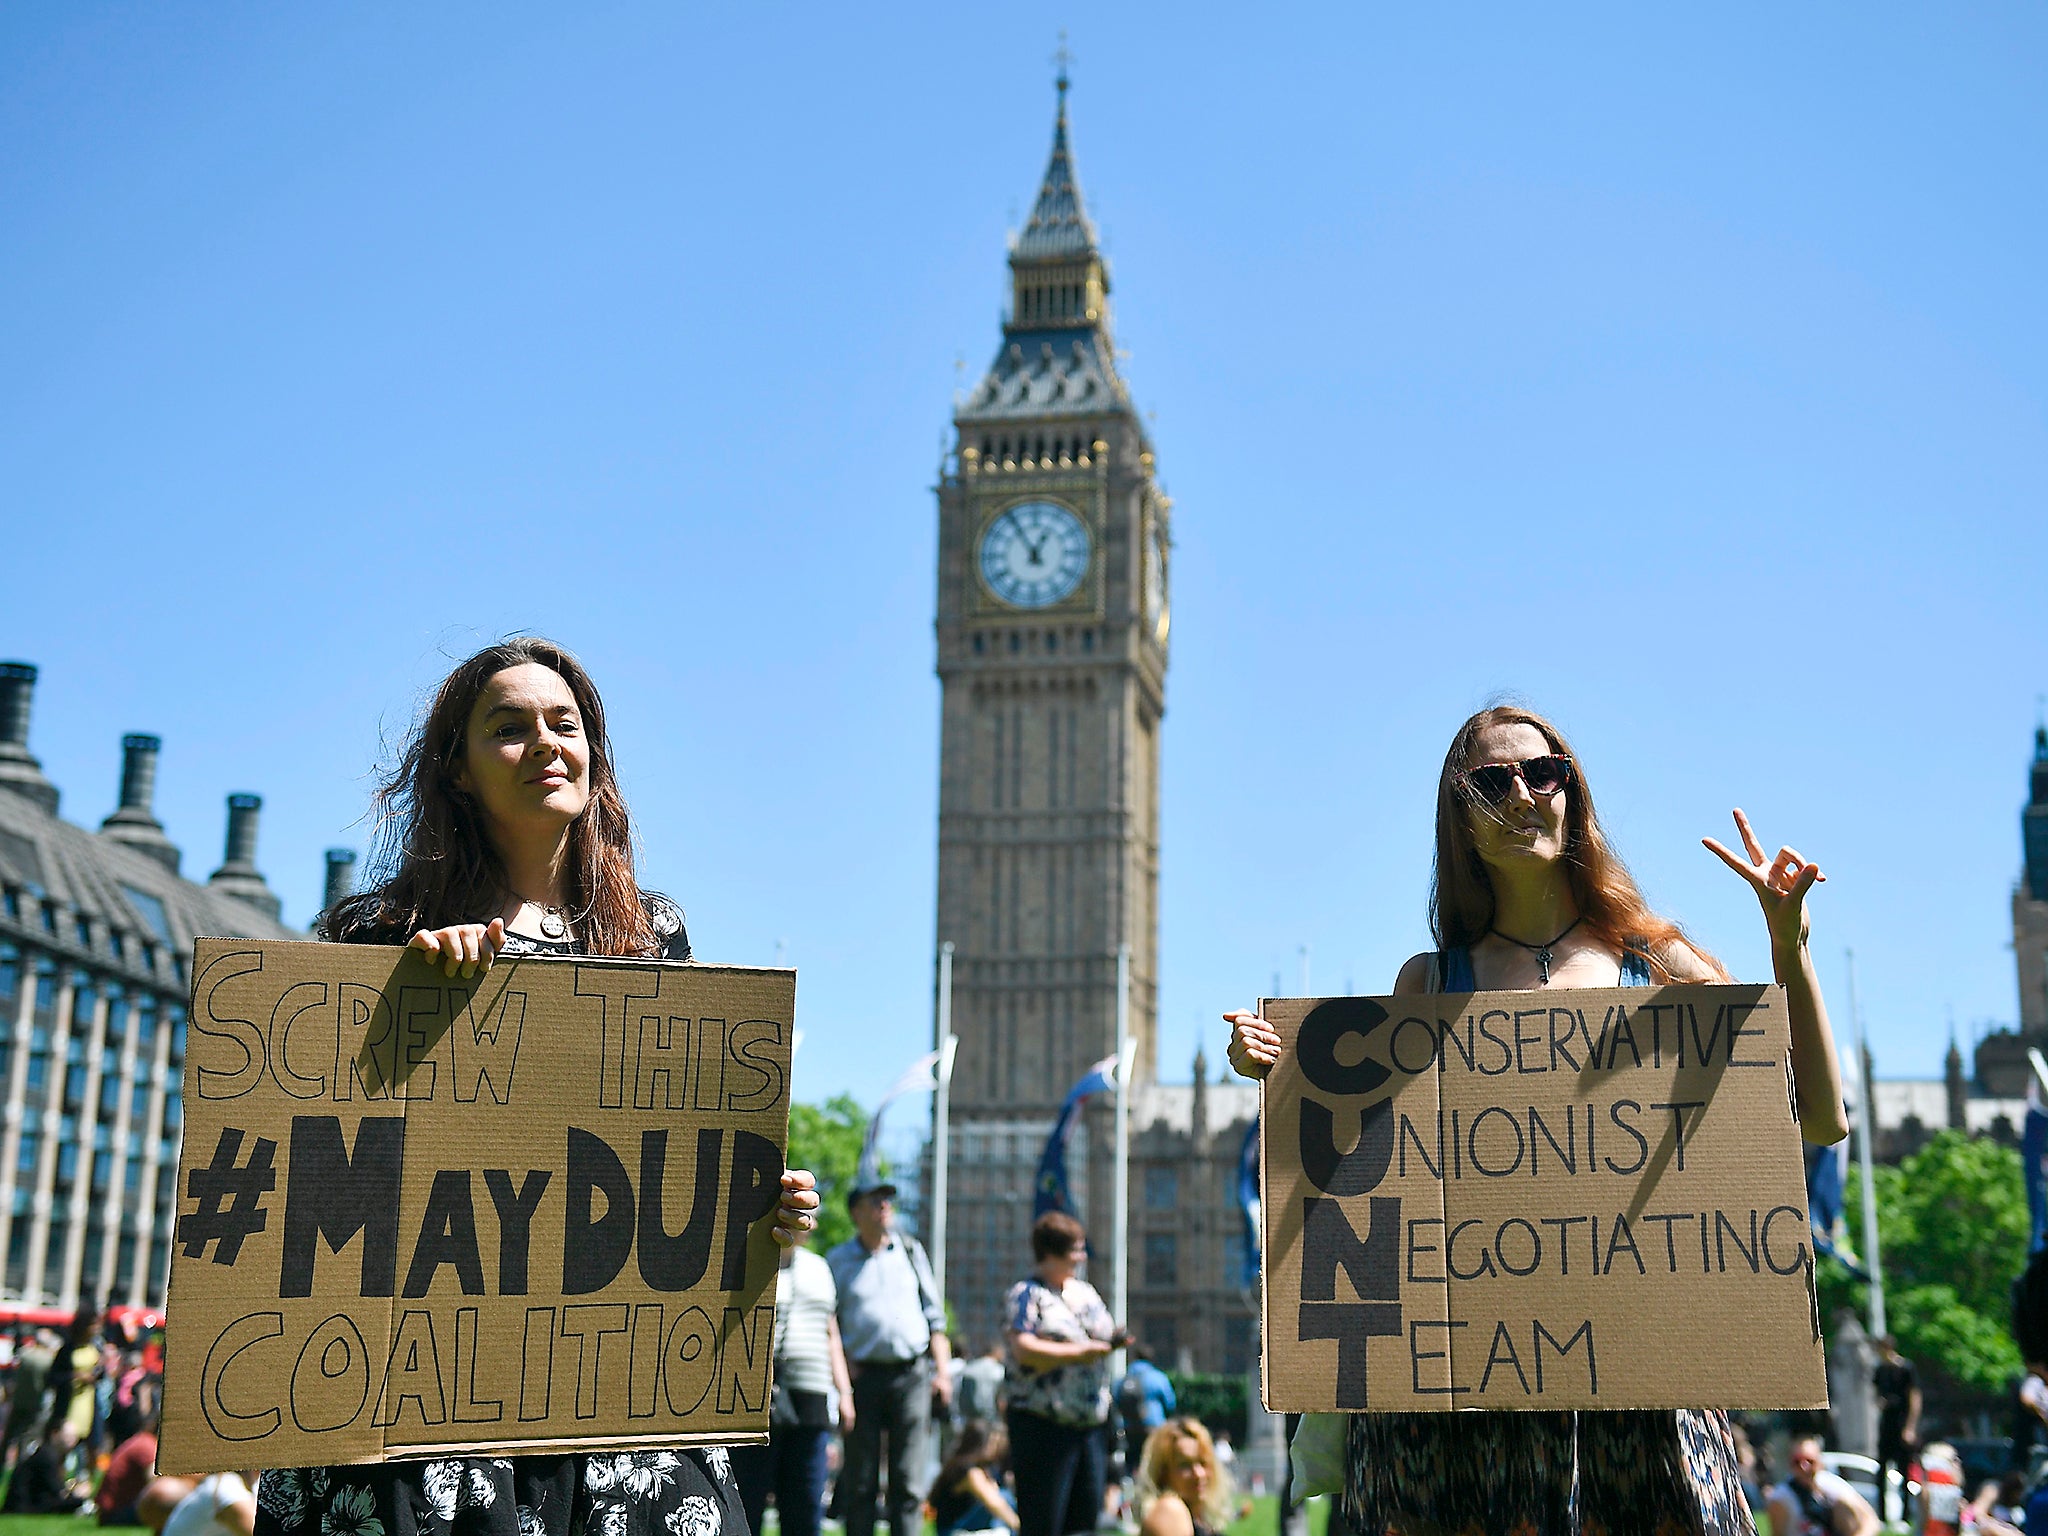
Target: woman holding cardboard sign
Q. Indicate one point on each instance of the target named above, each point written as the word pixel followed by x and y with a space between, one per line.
pixel 1528 894
pixel 506 834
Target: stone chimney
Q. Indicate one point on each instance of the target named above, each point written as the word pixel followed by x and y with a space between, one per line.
pixel 237 875
pixel 341 876
pixel 19 771
pixel 135 825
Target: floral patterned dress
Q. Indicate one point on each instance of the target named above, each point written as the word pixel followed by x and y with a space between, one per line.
pixel 628 1493
pixel 1642 1473
pixel 631 1493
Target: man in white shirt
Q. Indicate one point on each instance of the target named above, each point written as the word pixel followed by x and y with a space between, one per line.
pixel 895 1337
pixel 1815 1502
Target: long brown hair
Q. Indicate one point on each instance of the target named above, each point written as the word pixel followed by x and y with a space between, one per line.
pixel 1461 901
pixel 434 863
pixel 980 1444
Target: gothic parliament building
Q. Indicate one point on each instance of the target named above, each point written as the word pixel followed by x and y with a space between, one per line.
pixel 1054 565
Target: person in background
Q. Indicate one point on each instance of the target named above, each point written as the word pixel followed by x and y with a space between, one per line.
pixel 2000 1507
pixel 2029 1408
pixel 25 1399
pixel 1751 1468
pixel 1898 1415
pixel 1942 1498
pixel 967 1495
pixel 42 1484
pixel 1226 1453
pixel 128 1397
pixel 1061 1337
pixel 1813 1501
pixel 1144 1399
pixel 221 1505
pixel 83 1406
pixel 810 1367
pixel 128 1472
pixel 980 1392
pixel 1182 1490
pixel 894 1332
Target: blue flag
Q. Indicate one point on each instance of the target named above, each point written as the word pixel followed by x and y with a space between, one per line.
pixel 1248 1200
pixel 1824 1206
pixel 1050 1191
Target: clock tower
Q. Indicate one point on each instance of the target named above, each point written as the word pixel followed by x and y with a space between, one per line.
pixel 1054 542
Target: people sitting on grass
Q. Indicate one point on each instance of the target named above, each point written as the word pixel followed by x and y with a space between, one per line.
pixel 967 1495
pixel 221 1505
pixel 128 1472
pixel 43 1484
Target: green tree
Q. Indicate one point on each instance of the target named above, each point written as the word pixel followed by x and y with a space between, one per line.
pixel 826 1138
pixel 1952 1228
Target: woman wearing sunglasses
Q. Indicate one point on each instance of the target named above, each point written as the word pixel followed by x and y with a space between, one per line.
pixel 1528 894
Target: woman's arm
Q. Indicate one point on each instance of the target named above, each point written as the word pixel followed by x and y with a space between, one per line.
pixel 1781 885
pixel 1255 1044
pixel 984 1488
pixel 1042 1354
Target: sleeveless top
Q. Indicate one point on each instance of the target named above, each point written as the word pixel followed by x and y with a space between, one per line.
pixel 1452 968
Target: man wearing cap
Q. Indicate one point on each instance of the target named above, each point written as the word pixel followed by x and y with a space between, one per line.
pixel 894 1332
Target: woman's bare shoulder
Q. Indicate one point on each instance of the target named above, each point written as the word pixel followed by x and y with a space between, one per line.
pixel 1167 1517
pixel 1415 974
pixel 1682 963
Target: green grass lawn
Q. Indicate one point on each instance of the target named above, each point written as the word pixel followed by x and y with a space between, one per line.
pixel 47 1525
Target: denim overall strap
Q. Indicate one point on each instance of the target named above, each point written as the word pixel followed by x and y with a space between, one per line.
pixel 1635 965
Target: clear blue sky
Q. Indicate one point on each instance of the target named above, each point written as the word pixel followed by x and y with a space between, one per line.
pixel 1682 374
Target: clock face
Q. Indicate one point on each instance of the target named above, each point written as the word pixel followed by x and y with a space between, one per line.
pixel 1034 554
pixel 1155 583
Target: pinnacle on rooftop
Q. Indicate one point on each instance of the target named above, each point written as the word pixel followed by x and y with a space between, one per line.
pixel 1059 228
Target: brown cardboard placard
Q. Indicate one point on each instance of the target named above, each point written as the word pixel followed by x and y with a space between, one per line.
pixel 1588 1199
pixel 528 1211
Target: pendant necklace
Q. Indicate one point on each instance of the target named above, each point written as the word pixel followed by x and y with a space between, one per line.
pixel 1542 952
pixel 554 923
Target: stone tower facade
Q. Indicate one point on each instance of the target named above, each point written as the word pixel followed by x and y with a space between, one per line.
pixel 1052 649
pixel 2030 900
pixel 2001 1059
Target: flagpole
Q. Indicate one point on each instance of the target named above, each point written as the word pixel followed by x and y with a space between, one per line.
pixel 941 1110
pixel 1866 1128
pixel 1121 1292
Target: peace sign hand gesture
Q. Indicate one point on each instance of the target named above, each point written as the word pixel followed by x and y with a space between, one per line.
pixel 1780 884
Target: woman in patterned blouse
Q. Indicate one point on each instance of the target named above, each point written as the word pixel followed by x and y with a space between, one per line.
pixel 503 832
pixel 1061 1337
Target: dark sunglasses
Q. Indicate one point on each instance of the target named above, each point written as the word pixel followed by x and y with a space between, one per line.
pixel 1544 775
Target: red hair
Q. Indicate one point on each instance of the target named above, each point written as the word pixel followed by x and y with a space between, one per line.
pixel 1461 902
